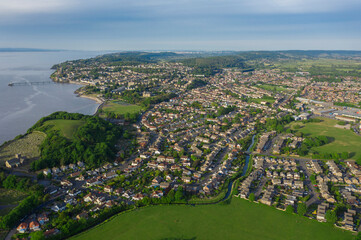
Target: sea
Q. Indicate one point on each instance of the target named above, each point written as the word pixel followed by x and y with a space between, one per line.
pixel 22 106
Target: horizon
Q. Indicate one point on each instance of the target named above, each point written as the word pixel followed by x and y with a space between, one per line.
pixel 21 49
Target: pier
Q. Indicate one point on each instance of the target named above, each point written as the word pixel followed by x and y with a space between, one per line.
pixel 12 84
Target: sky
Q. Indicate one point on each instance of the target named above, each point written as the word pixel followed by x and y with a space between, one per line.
pixel 181 24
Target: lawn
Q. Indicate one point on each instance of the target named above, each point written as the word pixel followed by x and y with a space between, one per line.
pixel 10 197
pixel 342 140
pixel 273 88
pixel 121 108
pixel 27 146
pixel 238 220
pixel 263 99
pixel 66 127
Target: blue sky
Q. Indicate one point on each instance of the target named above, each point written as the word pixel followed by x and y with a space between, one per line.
pixel 181 24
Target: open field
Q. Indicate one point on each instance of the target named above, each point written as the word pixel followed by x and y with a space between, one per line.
pixel 342 140
pixel 66 127
pixel 121 108
pixel 323 66
pixel 273 88
pixel 238 220
pixel 9 197
pixel 27 146
pixel 264 99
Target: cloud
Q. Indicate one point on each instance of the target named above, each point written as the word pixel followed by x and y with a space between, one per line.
pixel 14 7
pixel 178 7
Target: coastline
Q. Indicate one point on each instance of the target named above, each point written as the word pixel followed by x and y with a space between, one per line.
pixel 98 100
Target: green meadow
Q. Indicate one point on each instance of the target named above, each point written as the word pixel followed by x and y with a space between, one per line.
pixel 342 140
pixel 239 220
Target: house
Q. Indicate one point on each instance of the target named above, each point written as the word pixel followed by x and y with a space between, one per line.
pixel 164 185
pixel 47 171
pixel 348 219
pixel 74 192
pixel 22 228
pixel 186 179
pixel 58 207
pixel 55 170
pixel 138 197
pixel 157 194
pixel 66 183
pixel 72 166
pixel 43 218
pixel 80 164
pixel 118 191
pixel 51 232
pixel 69 199
pixel 321 212
pixel 82 215
pixel 34 226
pixel 15 162
pixel 64 168
pixel 88 198
pixel 110 175
pixel 108 189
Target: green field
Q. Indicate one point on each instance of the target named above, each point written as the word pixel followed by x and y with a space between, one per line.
pixel 66 127
pixel 27 146
pixel 326 66
pixel 273 88
pixel 238 220
pixel 342 140
pixel 9 197
pixel 121 108
pixel 264 99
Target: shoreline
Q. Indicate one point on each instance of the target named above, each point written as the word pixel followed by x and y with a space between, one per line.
pixel 98 100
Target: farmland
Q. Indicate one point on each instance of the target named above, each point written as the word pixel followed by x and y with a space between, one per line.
pixel 333 67
pixel 238 220
pixel 342 140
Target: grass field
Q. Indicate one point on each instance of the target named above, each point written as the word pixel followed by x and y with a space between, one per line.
pixel 342 140
pixel 27 146
pixel 264 99
pixel 323 66
pixel 9 197
pixel 238 220
pixel 66 127
pixel 273 88
pixel 121 108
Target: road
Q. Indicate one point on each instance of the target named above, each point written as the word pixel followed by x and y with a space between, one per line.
pixel 312 191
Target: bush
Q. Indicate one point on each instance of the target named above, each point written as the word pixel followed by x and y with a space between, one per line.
pixel 290 209
pixel 301 209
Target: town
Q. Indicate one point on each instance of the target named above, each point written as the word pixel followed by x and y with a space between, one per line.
pixel 197 134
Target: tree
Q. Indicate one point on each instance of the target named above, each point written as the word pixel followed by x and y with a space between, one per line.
pixel 290 209
pixel 179 194
pixel 10 182
pixel 331 216
pixel 38 235
pixel 301 209
pixel 251 197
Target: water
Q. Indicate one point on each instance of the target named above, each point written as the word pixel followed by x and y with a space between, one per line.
pixel 22 106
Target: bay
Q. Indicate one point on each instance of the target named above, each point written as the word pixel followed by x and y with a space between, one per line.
pixel 23 106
